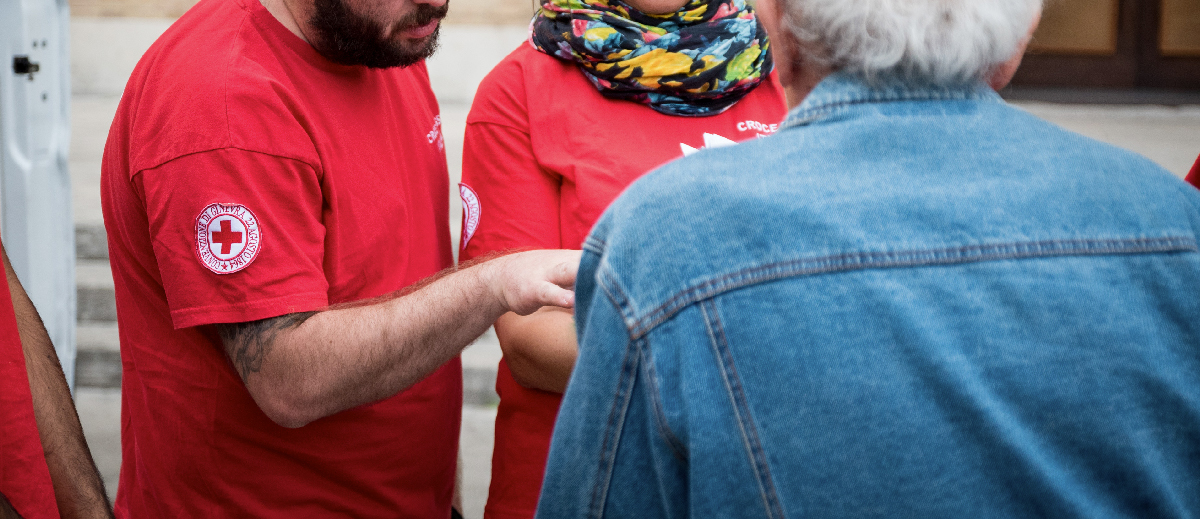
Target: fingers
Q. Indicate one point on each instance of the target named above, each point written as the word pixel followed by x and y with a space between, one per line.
pixel 547 294
pixel 564 273
pixel 535 279
pixel 554 295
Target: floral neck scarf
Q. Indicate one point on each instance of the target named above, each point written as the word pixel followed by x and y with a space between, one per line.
pixel 697 61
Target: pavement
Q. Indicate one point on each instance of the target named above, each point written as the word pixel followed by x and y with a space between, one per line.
pixel 104 51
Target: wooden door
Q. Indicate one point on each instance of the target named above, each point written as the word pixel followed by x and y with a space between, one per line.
pixel 1115 44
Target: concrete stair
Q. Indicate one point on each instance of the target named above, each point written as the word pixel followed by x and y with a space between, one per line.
pixel 98 360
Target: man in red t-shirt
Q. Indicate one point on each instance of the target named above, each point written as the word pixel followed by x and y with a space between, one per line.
pixel 45 466
pixel 273 166
pixel 1194 175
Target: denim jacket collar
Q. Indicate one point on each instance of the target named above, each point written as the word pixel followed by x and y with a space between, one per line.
pixel 841 90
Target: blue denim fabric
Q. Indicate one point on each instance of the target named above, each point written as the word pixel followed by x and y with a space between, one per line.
pixel 908 303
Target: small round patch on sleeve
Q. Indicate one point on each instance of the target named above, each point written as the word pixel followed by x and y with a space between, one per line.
pixel 227 237
pixel 471 210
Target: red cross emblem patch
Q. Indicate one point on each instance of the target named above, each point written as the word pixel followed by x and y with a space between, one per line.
pixel 227 237
pixel 471 211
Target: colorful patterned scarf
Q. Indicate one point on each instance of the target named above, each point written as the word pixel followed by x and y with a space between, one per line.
pixel 697 61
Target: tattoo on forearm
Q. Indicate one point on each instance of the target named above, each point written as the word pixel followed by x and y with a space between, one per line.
pixel 247 344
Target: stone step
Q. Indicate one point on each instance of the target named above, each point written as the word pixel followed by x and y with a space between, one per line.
pixel 94 291
pixel 98 369
pixel 98 355
pixel 97 337
pixel 479 370
pixel 91 243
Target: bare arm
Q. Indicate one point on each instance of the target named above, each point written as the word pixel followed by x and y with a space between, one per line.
pixel 301 367
pixel 539 348
pixel 77 485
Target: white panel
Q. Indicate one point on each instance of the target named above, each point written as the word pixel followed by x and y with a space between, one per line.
pixel 35 192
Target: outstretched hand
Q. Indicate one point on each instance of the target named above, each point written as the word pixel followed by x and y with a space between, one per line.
pixel 526 281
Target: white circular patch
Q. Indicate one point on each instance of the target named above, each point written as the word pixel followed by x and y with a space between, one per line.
pixel 227 237
pixel 471 210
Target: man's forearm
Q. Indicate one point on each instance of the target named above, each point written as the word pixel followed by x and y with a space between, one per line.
pixel 342 358
pixel 540 348
pixel 78 488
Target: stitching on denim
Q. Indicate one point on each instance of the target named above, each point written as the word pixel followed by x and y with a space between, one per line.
pixel 607 280
pixel 821 110
pixel 613 428
pixel 741 408
pixel 593 244
pixel 900 259
pixel 660 416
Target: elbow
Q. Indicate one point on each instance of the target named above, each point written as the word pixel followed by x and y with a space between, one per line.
pixel 289 407
pixel 521 379
pixel 522 371
pixel 288 417
pixel 520 366
pixel 529 373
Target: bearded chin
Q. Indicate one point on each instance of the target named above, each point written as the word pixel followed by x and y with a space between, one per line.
pixel 347 38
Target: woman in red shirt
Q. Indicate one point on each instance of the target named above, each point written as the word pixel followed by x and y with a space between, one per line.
pixel 603 92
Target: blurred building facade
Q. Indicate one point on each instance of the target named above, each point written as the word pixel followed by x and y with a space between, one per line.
pixel 1120 44
pixel 491 12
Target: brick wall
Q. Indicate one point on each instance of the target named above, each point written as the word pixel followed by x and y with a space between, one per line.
pixel 497 12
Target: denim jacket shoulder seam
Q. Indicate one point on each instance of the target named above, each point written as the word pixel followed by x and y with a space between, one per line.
pixel 594 245
pixel 655 395
pixel 751 440
pixel 621 302
pixel 641 324
pixel 618 296
pixel 614 426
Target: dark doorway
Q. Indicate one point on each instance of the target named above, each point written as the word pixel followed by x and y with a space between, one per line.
pixel 1123 44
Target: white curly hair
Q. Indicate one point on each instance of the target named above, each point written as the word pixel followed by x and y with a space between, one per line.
pixel 936 41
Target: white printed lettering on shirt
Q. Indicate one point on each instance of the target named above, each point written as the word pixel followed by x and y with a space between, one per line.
pixel 757 127
pixel 435 135
pixel 711 140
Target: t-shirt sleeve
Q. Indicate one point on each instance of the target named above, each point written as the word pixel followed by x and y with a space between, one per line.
pixel 237 235
pixel 517 202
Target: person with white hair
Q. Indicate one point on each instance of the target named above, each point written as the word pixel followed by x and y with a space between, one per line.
pixel 913 300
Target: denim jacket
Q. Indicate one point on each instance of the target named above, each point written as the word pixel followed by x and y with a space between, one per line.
pixel 909 302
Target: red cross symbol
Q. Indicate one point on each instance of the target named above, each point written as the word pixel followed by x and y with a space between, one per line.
pixel 225 237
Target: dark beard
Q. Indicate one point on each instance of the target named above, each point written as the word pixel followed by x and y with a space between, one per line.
pixel 348 38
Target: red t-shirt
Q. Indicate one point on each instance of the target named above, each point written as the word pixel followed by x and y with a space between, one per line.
pixel 24 476
pixel 1194 175
pixel 246 177
pixel 545 154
